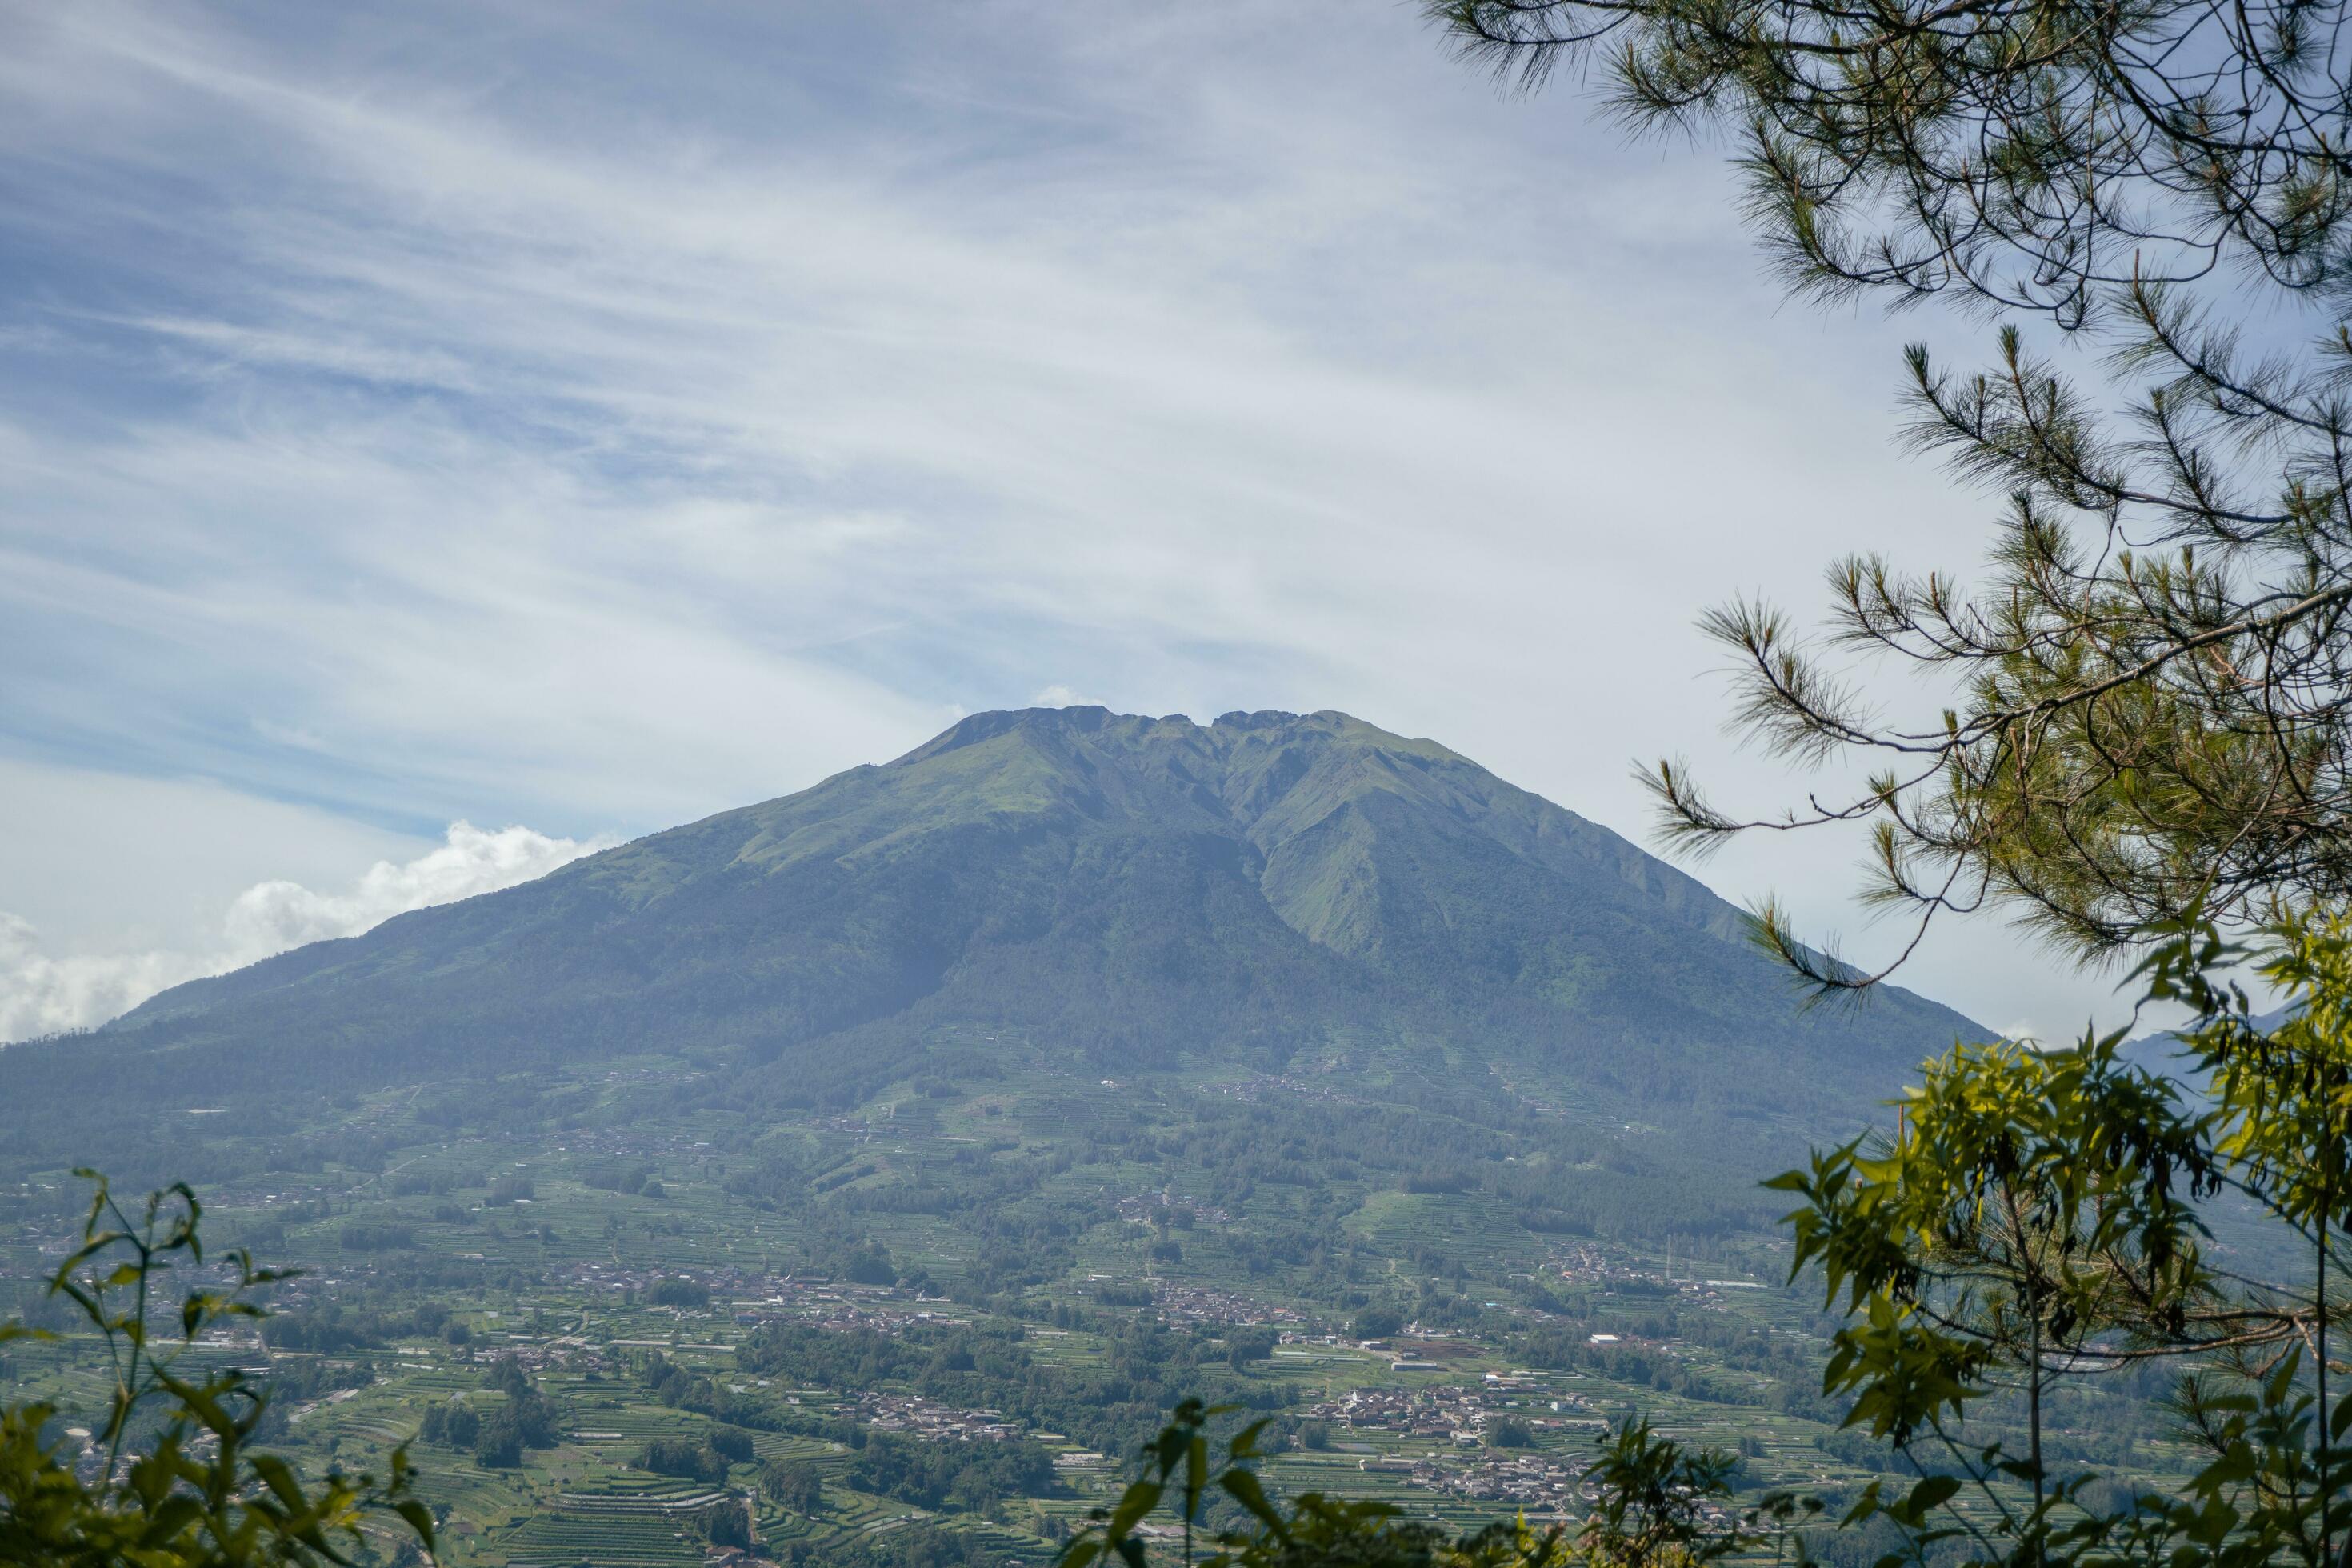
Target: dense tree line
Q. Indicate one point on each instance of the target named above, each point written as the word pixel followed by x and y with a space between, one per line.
pixel 968 1476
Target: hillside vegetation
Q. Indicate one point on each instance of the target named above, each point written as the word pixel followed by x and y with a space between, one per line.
pixel 1278 894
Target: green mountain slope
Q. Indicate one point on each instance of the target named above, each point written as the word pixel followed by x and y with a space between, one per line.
pixel 1272 893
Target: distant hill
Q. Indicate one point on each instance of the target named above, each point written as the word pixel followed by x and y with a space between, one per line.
pixel 1301 894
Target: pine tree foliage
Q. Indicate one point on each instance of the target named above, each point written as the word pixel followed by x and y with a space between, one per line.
pixel 2150 679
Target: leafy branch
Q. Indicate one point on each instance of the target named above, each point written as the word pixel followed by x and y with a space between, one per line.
pixel 181 1484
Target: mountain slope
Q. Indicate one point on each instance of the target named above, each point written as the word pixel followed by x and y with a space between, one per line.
pixel 1274 891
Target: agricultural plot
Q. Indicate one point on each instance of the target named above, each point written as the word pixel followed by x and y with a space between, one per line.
pixel 958 1308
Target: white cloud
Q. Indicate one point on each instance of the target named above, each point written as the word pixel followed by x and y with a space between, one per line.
pixel 274 916
pixel 41 994
pixel 667 466
pixel 607 416
pixel 102 861
pixel 1060 696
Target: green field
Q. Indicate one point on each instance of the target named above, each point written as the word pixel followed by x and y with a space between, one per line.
pixel 950 1314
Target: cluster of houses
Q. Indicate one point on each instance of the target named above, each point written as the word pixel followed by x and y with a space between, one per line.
pixel 932 1421
pixel 1585 1264
pixel 1545 1483
pixel 1259 1085
pixel 1445 1412
pixel 1206 1304
pixel 1538 1482
pixel 1146 1208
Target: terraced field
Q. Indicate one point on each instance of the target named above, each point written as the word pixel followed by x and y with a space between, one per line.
pixel 1096 1265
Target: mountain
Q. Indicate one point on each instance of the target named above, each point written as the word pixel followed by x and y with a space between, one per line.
pixel 1271 894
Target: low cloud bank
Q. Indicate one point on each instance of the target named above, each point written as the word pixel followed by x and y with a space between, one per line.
pixel 41 994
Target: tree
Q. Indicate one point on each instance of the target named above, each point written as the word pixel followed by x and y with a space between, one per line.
pixel 680 1292
pixel 685 1458
pixel 180 1485
pixel 2038 1217
pixel 2150 682
pixel 454 1424
pixel 1510 1432
pixel 2148 732
pixel 793 1485
pixel 727 1523
pixel 498 1445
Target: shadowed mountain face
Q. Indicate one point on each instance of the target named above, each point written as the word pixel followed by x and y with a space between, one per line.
pixel 1293 893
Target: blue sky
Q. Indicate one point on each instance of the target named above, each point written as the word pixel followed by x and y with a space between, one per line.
pixel 572 419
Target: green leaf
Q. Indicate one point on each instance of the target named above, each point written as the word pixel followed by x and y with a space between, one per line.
pixel 1196 1474
pixel 1932 1492
pixel 279 1477
pixel 170 1518
pixel 1141 1498
pixel 1243 1488
pixel 419 1517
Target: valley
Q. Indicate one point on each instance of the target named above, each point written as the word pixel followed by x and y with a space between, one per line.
pixel 939 1338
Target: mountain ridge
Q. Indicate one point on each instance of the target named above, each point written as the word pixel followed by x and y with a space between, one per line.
pixel 1279 891
pixel 1306 792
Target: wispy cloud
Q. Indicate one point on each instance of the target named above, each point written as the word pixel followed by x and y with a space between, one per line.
pixel 556 459
pixel 42 993
pixel 599 415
